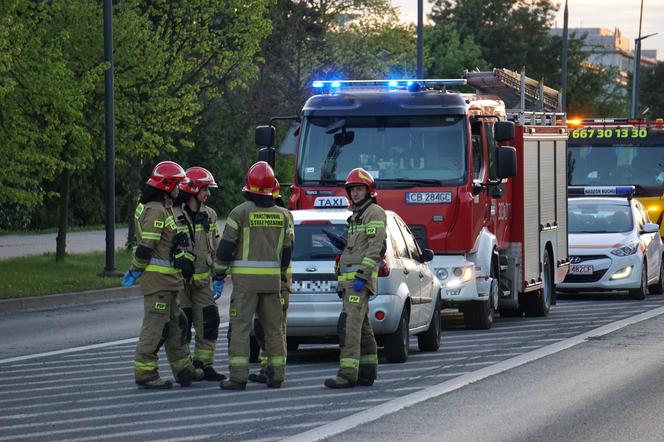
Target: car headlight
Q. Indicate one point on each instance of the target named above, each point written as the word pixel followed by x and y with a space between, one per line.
pixel 441 274
pixel 622 273
pixel 627 250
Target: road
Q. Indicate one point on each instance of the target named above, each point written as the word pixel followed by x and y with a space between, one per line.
pixel 88 393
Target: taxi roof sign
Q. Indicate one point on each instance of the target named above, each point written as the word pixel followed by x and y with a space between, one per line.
pixel 331 202
pixel 619 191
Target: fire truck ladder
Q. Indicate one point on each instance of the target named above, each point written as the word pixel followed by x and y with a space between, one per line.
pixel 527 100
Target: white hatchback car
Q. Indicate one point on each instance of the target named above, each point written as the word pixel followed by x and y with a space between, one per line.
pixel 613 245
pixel 407 301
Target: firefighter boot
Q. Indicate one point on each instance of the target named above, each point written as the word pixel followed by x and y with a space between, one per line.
pixel 209 373
pixel 230 385
pixel 259 377
pixel 271 382
pixel 339 382
pixel 367 375
pixel 188 375
pixel 155 384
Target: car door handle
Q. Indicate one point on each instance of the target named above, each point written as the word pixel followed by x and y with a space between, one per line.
pixel 421 275
pixel 406 271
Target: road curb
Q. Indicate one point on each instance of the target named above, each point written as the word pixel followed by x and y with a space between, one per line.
pixel 51 301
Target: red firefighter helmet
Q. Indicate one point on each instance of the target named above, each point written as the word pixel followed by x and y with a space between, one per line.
pixel 260 179
pixel 276 192
pixel 166 175
pixel 199 177
pixel 359 176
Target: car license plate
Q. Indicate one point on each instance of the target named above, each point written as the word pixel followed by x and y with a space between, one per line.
pixel 314 287
pixel 428 197
pixel 581 269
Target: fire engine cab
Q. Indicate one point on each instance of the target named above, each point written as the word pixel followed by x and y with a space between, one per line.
pixel 484 187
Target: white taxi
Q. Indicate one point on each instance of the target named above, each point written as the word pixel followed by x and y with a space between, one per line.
pixel 613 245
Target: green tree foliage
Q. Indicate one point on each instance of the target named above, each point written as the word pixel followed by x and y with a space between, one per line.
pixel 651 90
pixel 447 55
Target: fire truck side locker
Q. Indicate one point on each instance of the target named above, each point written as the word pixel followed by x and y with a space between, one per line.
pixel 536 258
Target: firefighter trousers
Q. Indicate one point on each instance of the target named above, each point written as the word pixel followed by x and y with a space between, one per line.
pixel 243 306
pixel 163 324
pixel 198 304
pixel 357 345
pixel 260 335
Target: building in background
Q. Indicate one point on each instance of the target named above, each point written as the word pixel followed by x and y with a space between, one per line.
pixel 609 48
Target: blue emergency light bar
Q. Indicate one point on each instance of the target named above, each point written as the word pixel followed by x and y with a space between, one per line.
pixel 392 84
pixel 620 191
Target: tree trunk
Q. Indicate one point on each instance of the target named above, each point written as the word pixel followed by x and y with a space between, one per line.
pixel 63 216
pixel 134 189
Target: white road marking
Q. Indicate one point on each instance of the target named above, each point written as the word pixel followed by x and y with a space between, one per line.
pixel 372 414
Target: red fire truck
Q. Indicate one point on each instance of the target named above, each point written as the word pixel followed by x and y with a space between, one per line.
pixel 483 187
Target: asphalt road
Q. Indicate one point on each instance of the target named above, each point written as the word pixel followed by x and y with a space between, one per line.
pixel 88 393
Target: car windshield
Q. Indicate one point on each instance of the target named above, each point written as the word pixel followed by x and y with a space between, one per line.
pixel 599 217
pixel 311 243
pixel 425 150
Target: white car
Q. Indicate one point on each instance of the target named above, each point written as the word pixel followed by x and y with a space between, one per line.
pixel 407 301
pixel 613 246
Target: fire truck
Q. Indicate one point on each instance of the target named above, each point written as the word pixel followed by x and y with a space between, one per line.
pixel 620 152
pixel 482 186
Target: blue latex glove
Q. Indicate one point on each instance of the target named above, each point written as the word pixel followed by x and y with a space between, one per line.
pixel 359 284
pixel 130 278
pixel 217 288
pixel 336 240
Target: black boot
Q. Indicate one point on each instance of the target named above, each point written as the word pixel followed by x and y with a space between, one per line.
pixel 155 384
pixel 339 382
pixel 367 375
pixel 230 385
pixel 188 375
pixel 210 374
pixel 258 377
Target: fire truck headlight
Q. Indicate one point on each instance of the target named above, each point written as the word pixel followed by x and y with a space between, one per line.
pixel 441 274
pixel 461 276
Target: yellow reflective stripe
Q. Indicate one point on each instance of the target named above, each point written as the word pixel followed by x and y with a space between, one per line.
pixel 264 360
pixel 255 271
pixel 376 223
pixel 245 243
pixel 170 222
pixel 199 229
pixel 351 276
pixel 139 210
pixel 277 361
pixel 137 264
pixel 151 235
pixel 232 224
pixel 180 364
pixel 349 363
pixel 200 276
pixel 369 359
pixel 203 355
pixel 161 269
pixel 369 262
pixel 145 366
pixel 238 361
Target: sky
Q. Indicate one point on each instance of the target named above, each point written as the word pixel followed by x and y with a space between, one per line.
pixel 623 14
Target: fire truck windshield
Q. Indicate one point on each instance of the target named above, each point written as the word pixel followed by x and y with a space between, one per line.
pixel 418 150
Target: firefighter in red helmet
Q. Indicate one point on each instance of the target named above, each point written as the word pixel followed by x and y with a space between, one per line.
pixel 255 249
pixel 357 275
pixel 159 261
pixel 200 291
pixel 261 376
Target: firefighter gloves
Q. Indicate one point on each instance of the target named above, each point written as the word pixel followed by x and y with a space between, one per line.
pixel 130 278
pixel 217 288
pixel 359 284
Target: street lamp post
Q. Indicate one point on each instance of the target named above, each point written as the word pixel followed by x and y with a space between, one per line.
pixel 637 66
pixel 420 39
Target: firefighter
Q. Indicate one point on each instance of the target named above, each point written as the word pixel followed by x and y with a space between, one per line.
pixel 159 261
pixel 200 292
pixel 261 376
pixel 255 249
pixel 357 275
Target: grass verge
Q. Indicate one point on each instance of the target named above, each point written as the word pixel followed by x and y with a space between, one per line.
pixel 41 275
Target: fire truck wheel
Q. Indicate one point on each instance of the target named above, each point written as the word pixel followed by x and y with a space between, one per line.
pixel 430 339
pixel 658 287
pixel 396 344
pixel 478 315
pixel 539 303
pixel 640 293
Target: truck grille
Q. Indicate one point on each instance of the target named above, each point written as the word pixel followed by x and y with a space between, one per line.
pixel 596 276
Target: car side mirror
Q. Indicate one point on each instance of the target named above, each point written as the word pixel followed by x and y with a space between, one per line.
pixel 503 131
pixel 505 162
pixel 427 255
pixel 265 135
pixel 650 228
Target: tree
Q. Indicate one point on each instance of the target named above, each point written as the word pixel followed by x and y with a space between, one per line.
pixel 447 55
pixel 651 90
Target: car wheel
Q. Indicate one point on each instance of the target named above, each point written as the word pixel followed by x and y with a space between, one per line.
pixel 539 303
pixel 658 287
pixel 430 339
pixel 254 349
pixel 396 344
pixel 478 315
pixel 640 293
pixel 292 344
